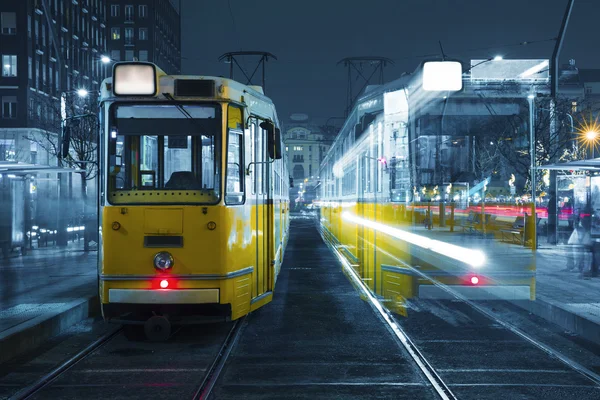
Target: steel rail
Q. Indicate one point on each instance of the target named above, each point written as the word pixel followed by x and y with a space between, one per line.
pixel 50 377
pixel 426 368
pixel 213 373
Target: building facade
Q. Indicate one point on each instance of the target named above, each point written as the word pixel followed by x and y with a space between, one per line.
pixel 49 50
pixel 145 30
pixel 306 145
pixel 47 47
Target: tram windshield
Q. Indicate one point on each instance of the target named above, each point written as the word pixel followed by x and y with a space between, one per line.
pixel 164 153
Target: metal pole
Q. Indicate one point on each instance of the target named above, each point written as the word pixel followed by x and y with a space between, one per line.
pixel 558 47
pixel 554 78
pixel 532 147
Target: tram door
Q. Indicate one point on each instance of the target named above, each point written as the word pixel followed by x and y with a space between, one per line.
pixel 261 209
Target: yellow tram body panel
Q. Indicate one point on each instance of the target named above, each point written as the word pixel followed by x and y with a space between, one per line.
pixel 223 258
pixel 389 267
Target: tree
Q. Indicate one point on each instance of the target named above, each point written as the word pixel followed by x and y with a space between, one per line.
pixel 82 123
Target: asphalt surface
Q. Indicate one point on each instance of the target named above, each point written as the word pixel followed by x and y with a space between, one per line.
pixel 317 339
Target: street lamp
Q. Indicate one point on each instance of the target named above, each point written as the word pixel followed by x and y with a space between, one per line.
pixel 105 59
pixel 591 137
pixel 82 92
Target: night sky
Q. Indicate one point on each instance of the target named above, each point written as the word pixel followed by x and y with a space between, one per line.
pixel 309 37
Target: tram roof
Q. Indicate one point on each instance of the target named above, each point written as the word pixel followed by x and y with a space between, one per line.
pixel 224 90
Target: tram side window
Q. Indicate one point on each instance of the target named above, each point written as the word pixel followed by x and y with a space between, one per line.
pixel 234 193
pixel 235 174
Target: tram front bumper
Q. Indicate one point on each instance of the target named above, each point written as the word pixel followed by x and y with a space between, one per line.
pixel 163 296
pixel 500 292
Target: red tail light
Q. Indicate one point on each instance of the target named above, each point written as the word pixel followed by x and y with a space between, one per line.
pixel 474 280
pixel 164 284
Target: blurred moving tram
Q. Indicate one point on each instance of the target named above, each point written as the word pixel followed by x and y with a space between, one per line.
pixel 193 198
pixel 369 197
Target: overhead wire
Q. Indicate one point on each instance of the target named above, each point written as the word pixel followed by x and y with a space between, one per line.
pixel 455 53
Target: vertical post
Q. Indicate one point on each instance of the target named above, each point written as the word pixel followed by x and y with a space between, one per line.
pixel 263 61
pixel 61 235
pixel 530 98
pixel 429 216
pixel 554 77
pixel 452 217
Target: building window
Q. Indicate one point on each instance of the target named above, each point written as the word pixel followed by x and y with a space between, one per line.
pixel 128 35
pixel 114 10
pixel 128 13
pixel 115 55
pixel 115 33
pixel 574 106
pixel 298 148
pixel 143 56
pixel 588 90
pixel 143 34
pixel 9 65
pixel 143 10
pixel 8 20
pixel 30 69
pixel 7 150
pixel 29 25
pixel 128 55
pixel 9 107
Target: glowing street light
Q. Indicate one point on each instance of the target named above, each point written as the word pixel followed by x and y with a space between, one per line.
pixel 498 58
pixel 82 92
pixel 105 59
pixel 591 135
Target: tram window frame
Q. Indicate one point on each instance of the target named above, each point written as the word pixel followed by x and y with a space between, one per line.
pixel 235 127
pixel 196 158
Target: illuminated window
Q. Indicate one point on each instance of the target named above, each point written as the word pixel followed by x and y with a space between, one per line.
pixel 298 148
pixel 115 33
pixel 9 65
pixel 574 107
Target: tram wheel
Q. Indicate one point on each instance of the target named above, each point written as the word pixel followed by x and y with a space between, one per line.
pixel 157 328
pixel 134 333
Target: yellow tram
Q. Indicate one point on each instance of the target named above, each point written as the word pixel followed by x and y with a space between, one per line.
pixel 372 181
pixel 193 199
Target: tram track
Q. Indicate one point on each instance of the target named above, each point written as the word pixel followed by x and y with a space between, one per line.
pixel 109 364
pixel 443 378
pixel 430 373
pixel 29 391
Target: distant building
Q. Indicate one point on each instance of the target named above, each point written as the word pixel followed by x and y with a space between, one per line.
pixel 145 30
pixel 306 145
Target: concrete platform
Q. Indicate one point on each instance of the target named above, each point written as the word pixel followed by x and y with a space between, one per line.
pixel 44 293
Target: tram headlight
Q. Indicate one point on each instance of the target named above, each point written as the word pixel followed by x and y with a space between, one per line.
pixel 163 261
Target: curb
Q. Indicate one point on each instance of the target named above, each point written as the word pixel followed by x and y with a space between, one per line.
pixel 568 320
pixel 31 334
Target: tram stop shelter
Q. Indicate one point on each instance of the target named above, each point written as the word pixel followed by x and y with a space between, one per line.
pixel 17 201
